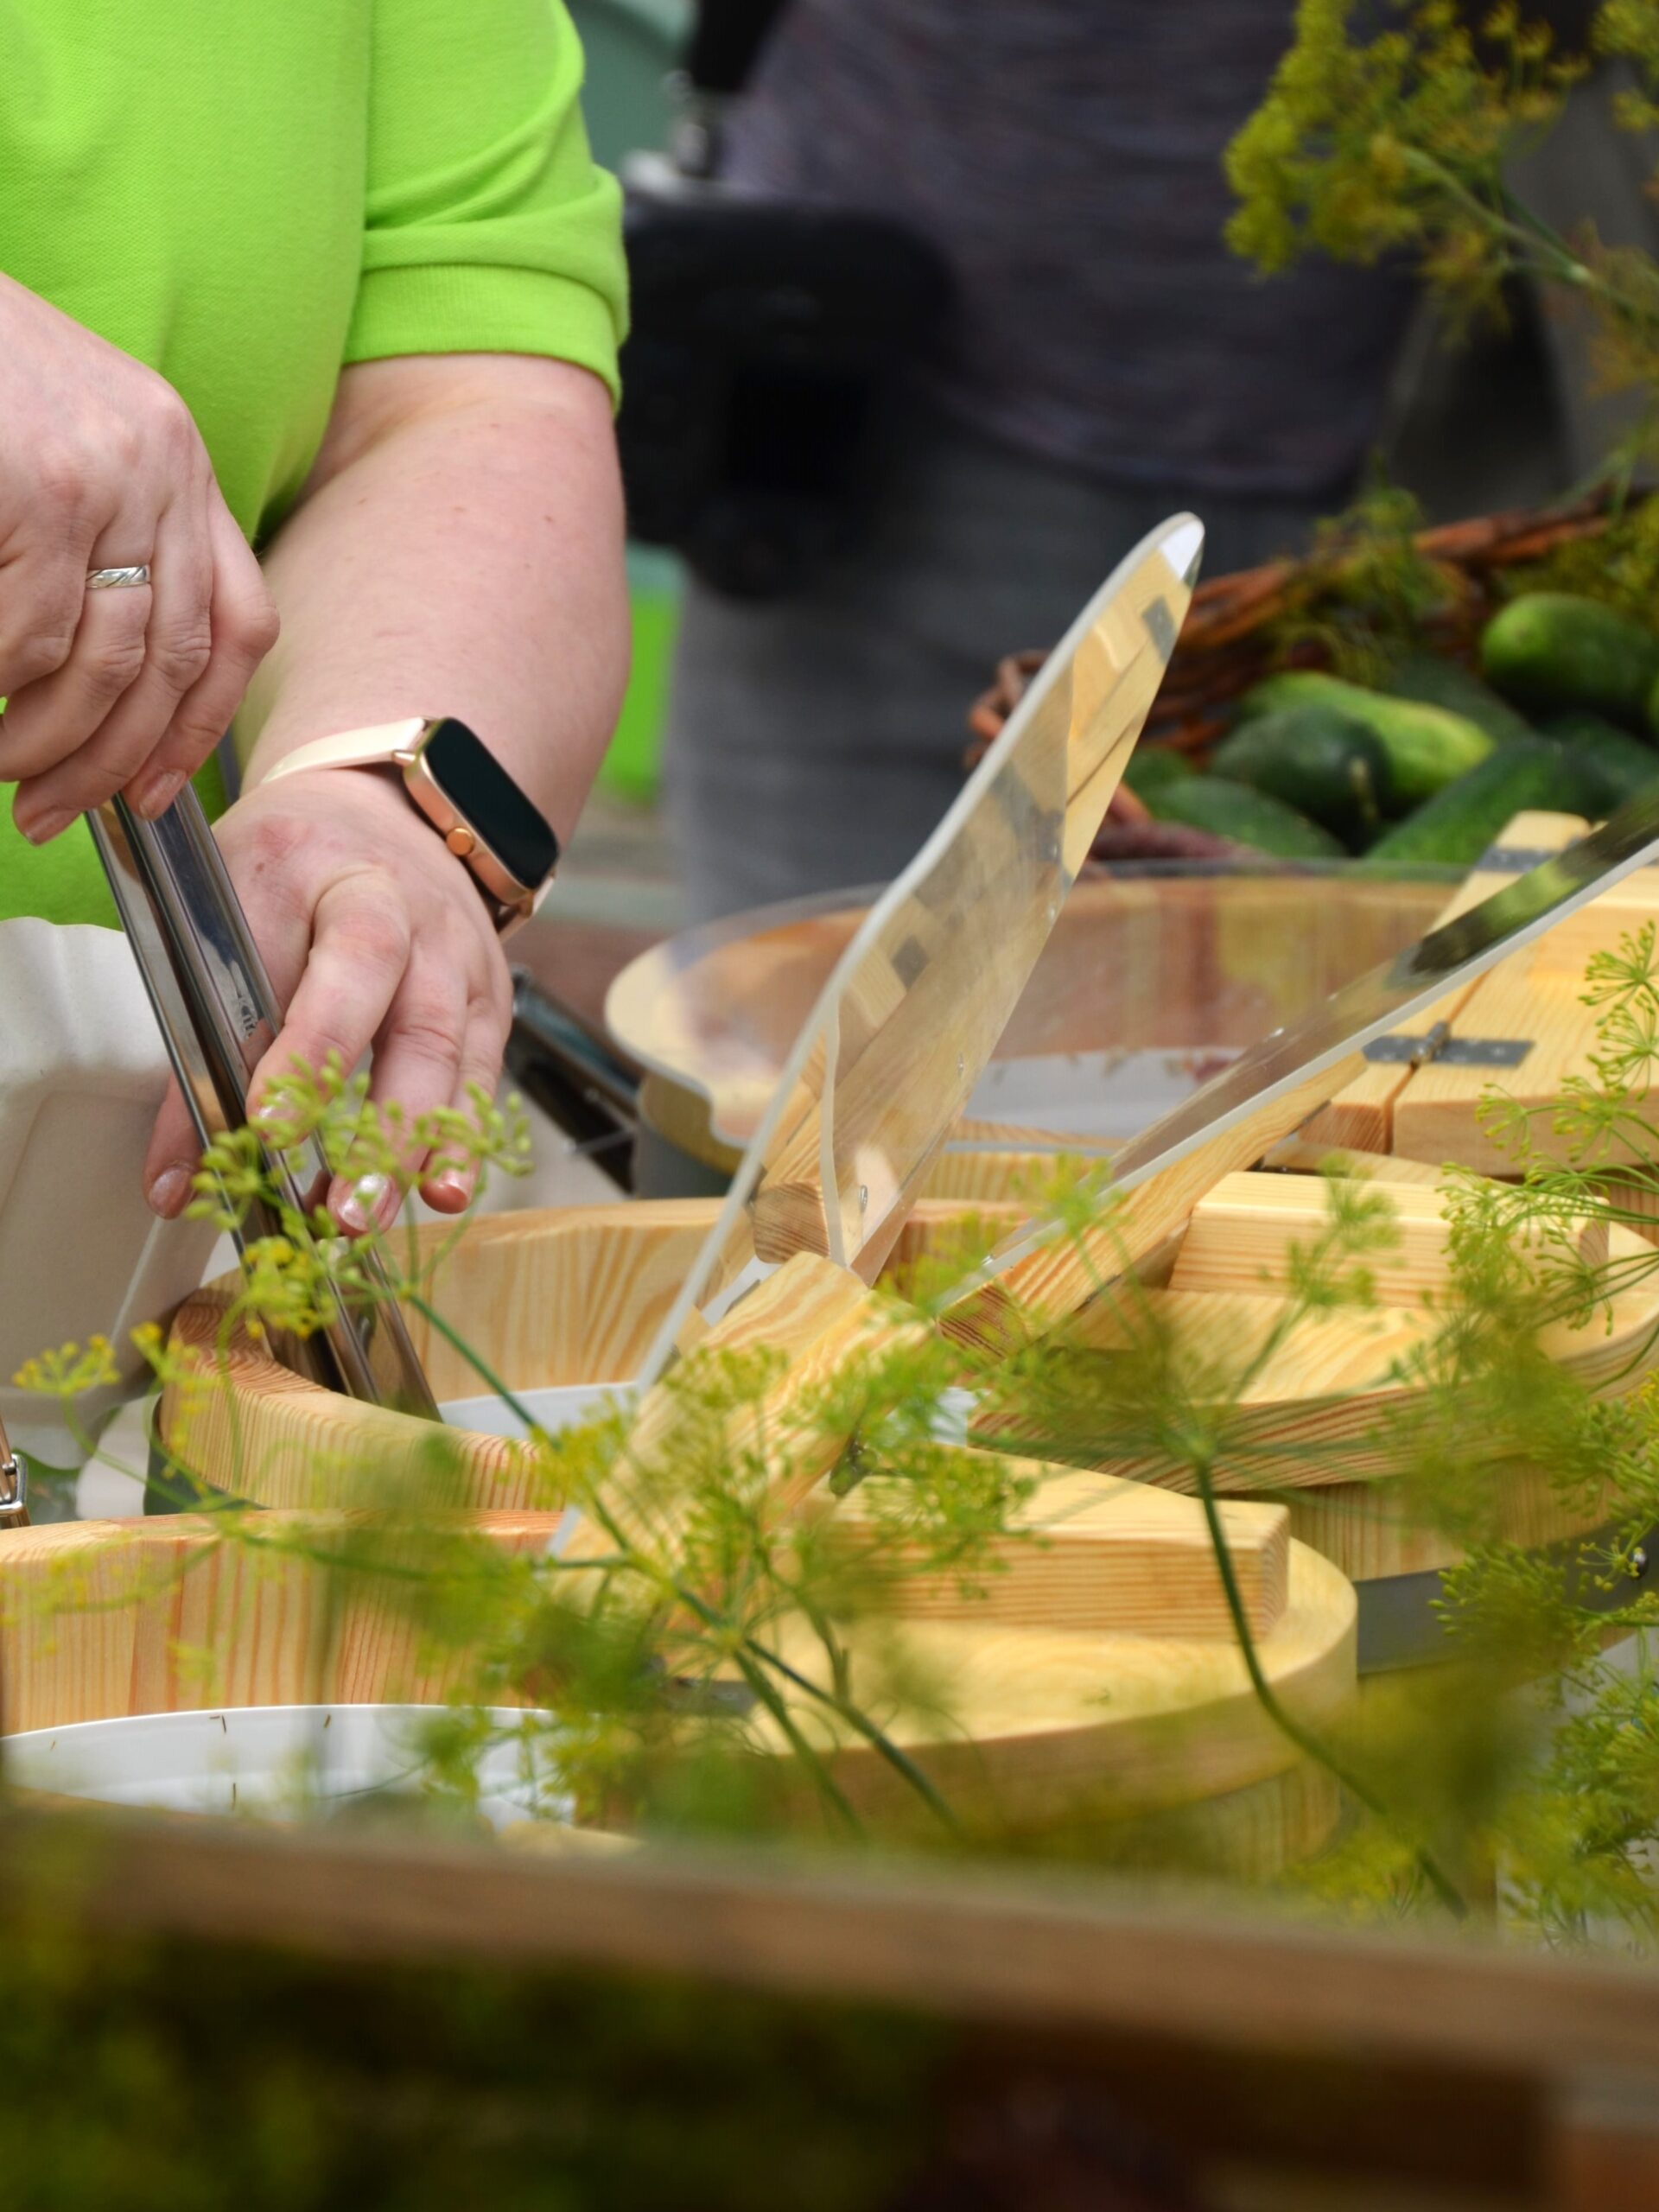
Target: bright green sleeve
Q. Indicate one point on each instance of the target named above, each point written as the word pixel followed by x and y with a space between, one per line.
pixel 488 228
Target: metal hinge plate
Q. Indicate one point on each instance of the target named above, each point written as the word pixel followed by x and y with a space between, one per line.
pixel 1439 1046
pixel 1515 860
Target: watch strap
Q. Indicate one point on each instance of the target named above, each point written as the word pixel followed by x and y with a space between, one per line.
pixel 374 748
pixel 397 745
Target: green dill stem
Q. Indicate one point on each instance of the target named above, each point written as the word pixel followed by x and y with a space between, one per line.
pixel 828 1789
pixel 850 1712
pixel 1533 240
pixel 823 1628
pixel 900 1762
pixel 750 1652
pixel 1531 244
pixel 479 1366
pixel 1309 1744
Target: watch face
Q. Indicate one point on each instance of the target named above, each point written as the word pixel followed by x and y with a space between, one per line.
pixel 479 788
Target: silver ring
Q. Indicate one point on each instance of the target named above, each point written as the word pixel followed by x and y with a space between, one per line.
pixel 117 579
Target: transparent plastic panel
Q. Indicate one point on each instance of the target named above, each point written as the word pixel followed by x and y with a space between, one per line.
pixel 716 1010
pixel 1367 1007
pixel 902 1031
pixel 1157 974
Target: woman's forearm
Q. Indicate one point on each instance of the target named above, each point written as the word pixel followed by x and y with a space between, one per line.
pixel 458 551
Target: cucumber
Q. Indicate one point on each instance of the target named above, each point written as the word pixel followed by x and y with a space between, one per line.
pixel 1550 649
pixel 1248 818
pixel 1152 766
pixel 1616 766
pixel 1427 746
pixel 1457 825
pixel 1435 682
pixel 1326 765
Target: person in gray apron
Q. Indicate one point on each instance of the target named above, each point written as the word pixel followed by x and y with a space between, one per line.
pixel 1107 362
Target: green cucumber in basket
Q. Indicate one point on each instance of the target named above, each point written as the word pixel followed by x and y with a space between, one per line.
pixel 1616 766
pixel 1427 746
pixel 1433 681
pixel 1551 648
pixel 1151 766
pixel 1455 827
pixel 1326 765
pixel 1247 817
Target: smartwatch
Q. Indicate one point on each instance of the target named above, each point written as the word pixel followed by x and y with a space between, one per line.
pixel 472 801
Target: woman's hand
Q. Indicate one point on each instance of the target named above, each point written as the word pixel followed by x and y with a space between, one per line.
pixel 101 466
pixel 373 934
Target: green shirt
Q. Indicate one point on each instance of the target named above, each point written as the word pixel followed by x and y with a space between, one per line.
pixel 247 195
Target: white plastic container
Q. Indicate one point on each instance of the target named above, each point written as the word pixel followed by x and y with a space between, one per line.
pixel 82 1072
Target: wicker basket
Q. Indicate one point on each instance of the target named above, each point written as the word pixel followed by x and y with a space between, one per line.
pixel 1228 644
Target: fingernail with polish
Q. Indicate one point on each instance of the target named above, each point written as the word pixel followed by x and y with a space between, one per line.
pixel 155 797
pixel 169 1191
pixel 43 828
pixel 450 1190
pixel 365 1204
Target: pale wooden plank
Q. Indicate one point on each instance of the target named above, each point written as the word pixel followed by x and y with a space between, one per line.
pixel 1089 1552
pixel 1004 1949
pixel 1243 1235
pixel 565 1295
pixel 1536 994
pixel 1053 1721
pixel 1311 1155
pixel 1038 1292
pixel 1361 1115
pixel 101 1619
pixel 106 1619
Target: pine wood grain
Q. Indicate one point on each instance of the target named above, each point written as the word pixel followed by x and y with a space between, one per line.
pixel 1243 1233
pixel 1092 1723
pixel 1038 1292
pixel 988 1174
pixel 1308 1156
pixel 821 1325
pixel 1183 966
pixel 101 1619
pixel 1361 1115
pixel 1538 994
pixel 1316 1411
pixel 569 1294
pixel 245 1426
pixel 1021 1723
pixel 1099 1553
pixel 1368 1532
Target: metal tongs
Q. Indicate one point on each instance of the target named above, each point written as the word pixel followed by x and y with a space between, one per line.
pixel 217 1014
pixel 14 1485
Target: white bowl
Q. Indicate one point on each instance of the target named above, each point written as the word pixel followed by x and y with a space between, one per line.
pixel 276 1760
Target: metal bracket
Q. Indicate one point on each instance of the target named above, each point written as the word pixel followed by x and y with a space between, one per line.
pixel 14 1487
pixel 1515 860
pixel 1439 1044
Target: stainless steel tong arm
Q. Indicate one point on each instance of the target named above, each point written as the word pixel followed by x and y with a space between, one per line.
pixel 218 1015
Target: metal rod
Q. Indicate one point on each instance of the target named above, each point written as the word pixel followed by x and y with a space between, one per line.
pixel 14 1485
pixel 576 1077
pixel 218 1015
